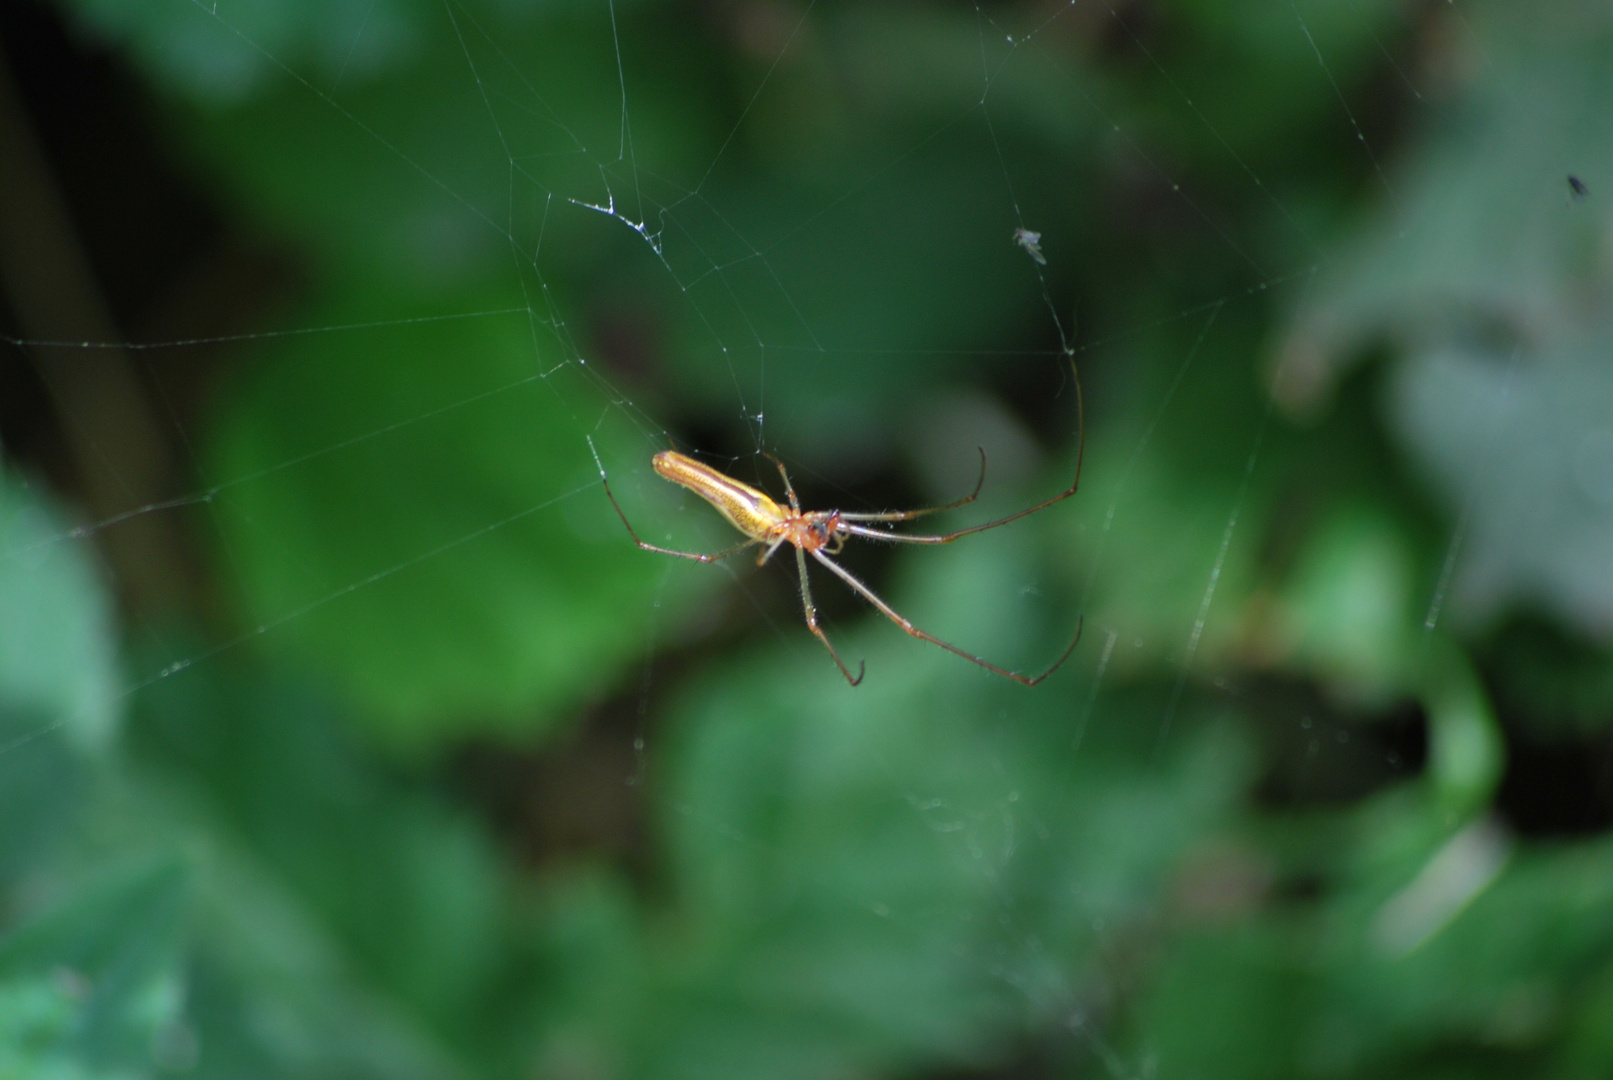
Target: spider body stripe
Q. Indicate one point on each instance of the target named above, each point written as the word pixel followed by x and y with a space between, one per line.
pixel 748 510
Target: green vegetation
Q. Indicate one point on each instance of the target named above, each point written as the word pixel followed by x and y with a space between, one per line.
pixel 435 775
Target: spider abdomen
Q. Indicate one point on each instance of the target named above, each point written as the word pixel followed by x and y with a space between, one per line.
pixel 748 510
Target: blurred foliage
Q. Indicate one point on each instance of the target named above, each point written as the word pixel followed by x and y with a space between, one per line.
pixel 1340 550
pixel 1495 278
pixel 526 633
pixel 59 663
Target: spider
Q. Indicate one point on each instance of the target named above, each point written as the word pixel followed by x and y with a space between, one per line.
pixel 822 533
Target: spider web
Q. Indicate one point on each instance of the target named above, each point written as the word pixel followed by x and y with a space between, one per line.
pixel 726 279
pixel 643 290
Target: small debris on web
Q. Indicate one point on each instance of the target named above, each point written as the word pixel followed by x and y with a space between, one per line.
pixel 1032 243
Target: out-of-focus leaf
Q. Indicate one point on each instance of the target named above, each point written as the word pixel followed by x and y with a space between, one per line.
pixel 1588 1041
pixel 56 646
pixel 1346 612
pixel 228 50
pixel 408 890
pixel 37 1017
pixel 806 227
pixel 416 513
pixel 456 562
pixel 842 860
pixel 767 298
pixel 841 325
pixel 1466 249
pixel 336 922
pixel 1292 62
pixel 1466 751
pixel 58 677
pixel 41 780
pixel 1346 617
pixel 592 974
pixel 1160 547
pixel 827 297
pixel 1324 996
pixel 1490 276
pixel 92 987
pixel 495 132
pixel 1523 451
pixel 1504 969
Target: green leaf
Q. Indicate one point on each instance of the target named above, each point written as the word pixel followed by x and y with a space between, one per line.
pixel 229 50
pixel 466 147
pixel 42 778
pixel 1292 64
pixel 409 889
pixel 1523 453
pixel 904 874
pixel 93 983
pixel 1508 950
pixel 58 677
pixel 415 512
pixel 339 919
pixel 1481 272
pixel 57 658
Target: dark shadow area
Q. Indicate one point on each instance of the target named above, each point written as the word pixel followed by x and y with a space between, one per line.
pixel 1319 755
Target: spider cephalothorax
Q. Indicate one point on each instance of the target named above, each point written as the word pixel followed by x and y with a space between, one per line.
pixel 821 529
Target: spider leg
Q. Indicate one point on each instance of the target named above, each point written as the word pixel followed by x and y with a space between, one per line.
pixel 890 613
pixel 947 538
pixel 771 548
pixel 696 556
pixel 812 622
pixel 788 489
pixel 909 515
